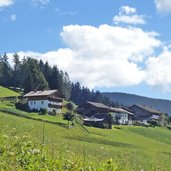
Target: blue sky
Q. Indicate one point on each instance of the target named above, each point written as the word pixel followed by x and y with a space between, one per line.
pixel 107 45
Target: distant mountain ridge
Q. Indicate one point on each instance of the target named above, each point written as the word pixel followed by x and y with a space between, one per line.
pixel 130 99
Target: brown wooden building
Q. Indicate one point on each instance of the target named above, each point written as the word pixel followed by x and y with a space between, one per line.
pixel 145 113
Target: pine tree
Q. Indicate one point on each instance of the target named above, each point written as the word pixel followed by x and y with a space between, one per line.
pixel 6 71
pixel 34 78
pixel 67 86
pixel 16 71
pixel 76 93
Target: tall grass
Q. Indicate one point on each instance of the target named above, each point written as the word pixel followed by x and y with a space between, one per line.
pixel 123 148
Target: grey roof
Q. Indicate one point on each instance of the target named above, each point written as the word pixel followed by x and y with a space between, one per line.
pixel 120 110
pixel 40 93
pixel 98 105
pixel 149 109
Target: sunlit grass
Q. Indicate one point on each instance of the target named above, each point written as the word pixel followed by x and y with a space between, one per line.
pixel 132 147
pixel 5 92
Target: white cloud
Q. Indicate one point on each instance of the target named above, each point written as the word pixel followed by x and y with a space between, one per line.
pixel 104 56
pixel 42 2
pixel 158 71
pixel 127 10
pixel 5 3
pixel 128 15
pixel 13 17
pixel 163 6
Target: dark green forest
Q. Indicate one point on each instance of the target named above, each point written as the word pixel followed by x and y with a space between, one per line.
pixel 30 75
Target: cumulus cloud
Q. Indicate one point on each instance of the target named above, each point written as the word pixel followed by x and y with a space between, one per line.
pixel 128 15
pixel 163 6
pixel 5 3
pixel 158 70
pixel 104 56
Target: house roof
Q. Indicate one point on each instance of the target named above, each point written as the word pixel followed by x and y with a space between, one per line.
pixel 148 109
pixel 120 110
pixel 40 93
pixel 98 105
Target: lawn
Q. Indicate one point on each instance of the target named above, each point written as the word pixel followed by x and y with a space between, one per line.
pixel 129 147
pixel 5 92
pixel 133 148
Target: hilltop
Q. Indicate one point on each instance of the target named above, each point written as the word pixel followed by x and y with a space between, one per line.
pixel 130 99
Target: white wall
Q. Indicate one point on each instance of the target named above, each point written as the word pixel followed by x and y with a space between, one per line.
pixel 43 104
pixel 123 118
pixel 38 104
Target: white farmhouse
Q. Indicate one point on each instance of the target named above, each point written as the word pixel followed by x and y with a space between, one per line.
pixel 48 99
pixel 122 116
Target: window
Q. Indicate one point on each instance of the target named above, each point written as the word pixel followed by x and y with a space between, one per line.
pixel 42 102
pixel 34 102
pixel 31 103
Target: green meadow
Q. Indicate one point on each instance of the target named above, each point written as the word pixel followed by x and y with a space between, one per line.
pixel 5 92
pixel 132 148
pixel 124 148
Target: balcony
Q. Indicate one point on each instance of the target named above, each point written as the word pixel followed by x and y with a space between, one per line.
pixel 55 106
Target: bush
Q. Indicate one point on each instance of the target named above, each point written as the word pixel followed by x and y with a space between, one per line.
pixel 42 111
pixel 153 123
pixel 22 105
pixel 52 113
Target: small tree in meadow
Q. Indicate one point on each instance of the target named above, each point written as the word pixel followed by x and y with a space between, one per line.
pixel 69 116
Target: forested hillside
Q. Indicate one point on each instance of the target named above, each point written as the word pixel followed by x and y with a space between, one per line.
pixel 130 99
pixel 30 74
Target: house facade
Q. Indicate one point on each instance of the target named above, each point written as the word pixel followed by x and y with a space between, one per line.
pixel 145 113
pixel 51 100
pixel 122 116
pixel 95 114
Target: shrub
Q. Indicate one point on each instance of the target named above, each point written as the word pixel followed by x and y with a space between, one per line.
pixel 153 123
pixel 42 111
pixel 53 112
pixel 22 105
pixel 34 110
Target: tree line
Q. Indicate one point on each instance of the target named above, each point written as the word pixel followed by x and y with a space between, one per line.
pixel 30 75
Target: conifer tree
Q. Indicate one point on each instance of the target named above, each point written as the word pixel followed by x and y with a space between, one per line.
pixel 16 71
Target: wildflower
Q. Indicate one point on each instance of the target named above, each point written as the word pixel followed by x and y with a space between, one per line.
pixel 11 153
pixel 29 142
pixel 35 151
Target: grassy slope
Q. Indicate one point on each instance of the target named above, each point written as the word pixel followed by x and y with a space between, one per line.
pixel 137 147
pixel 5 92
pixel 133 147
